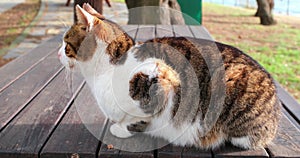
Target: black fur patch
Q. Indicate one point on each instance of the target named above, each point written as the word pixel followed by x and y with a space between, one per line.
pixel 138 126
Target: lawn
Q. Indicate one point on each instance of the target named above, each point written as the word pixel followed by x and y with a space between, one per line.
pixel 121 1
pixel 12 24
pixel 275 47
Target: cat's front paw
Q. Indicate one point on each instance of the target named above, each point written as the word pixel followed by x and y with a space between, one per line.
pixel 119 132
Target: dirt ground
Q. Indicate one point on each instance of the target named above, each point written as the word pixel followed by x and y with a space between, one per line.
pixel 13 22
pixel 227 25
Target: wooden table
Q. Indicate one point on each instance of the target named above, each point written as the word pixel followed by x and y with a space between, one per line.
pixel 39 118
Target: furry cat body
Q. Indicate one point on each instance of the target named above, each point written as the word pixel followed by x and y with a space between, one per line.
pixel 149 98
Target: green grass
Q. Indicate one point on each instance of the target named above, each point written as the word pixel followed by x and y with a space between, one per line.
pixel 121 1
pixel 225 10
pixel 283 60
pixel 22 16
pixel 276 48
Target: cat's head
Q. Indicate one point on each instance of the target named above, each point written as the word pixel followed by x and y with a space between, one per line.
pixel 93 34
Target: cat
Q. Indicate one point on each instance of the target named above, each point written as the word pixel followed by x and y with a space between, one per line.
pixel 166 87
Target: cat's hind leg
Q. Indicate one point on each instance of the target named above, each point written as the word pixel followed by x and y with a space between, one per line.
pixel 126 129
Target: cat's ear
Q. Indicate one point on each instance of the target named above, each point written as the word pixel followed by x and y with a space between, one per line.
pixel 85 18
pixel 87 7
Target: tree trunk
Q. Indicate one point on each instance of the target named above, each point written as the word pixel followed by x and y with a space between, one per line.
pixel 96 4
pixel 271 4
pixel 154 12
pixel 264 11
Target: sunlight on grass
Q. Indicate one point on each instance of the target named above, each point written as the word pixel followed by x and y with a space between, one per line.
pixel 226 10
pixel 18 23
pixel 121 1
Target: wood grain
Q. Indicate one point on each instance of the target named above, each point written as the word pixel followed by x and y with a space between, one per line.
pixel 170 151
pixel 80 130
pixel 200 32
pixel 231 151
pixel 182 30
pixel 15 69
pixel 290 103
pixel 28 132
pixel 287 141
pixel 126 154
pixel 145 32
pixel 105 152
pixel 164 31
pixel 133 146
pixel 192 152
pixel 131 30
pixel 15 97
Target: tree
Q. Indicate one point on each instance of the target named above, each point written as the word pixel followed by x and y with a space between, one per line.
pixel 96 4
pixel 142 12
pixel 264 12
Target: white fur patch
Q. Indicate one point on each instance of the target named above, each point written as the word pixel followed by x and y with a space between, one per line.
pixel 110 85
pixel 63 57
pixel 119 131
pixel 243 142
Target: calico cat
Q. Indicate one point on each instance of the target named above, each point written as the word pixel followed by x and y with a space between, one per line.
pixel 166 87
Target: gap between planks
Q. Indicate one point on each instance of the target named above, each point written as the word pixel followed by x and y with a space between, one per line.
pixel 11 66
pixel 36 122
pixel 72 135
pixel 34 87
pixel 63 113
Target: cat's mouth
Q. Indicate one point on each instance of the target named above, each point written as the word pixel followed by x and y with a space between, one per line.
pixel 71 65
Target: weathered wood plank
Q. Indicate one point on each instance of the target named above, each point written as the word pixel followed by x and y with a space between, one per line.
pixel 126 154
pixel 182 30
pixel 14 98
pixel 231 151
pixel 28 132
pixel 164 31
pixel 135 145
pixel 145 32
pixel 290 103
pixel 106 152
pixel 15 69
pixel 80 130
pixel 131 30
pixel 170 151
pixel 192 152
pixel 287 141
pixel 200 32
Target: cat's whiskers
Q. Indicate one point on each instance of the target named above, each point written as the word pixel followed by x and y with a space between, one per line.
pixel 61 20
pixel 64 23
pixel 69 80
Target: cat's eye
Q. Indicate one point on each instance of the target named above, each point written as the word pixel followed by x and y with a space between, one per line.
pixel 83 28
pixel 67 49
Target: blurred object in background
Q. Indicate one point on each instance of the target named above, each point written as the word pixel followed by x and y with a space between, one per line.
pixel 191 9
pixel 264 12
pixel 96 4
pixel 164 12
